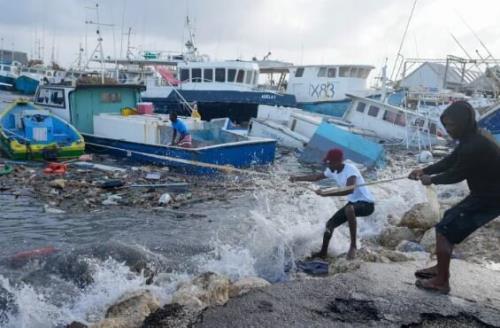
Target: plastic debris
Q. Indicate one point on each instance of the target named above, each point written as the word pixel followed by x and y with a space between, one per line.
pixel 112 200
pixel 425 156
pixel 165 199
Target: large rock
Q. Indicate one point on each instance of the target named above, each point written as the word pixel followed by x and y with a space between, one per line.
pixel 246 284
pixel 428 241
pixel 171 316
pixel 203 291
pixel 420 216
pixel 409 246
pixel 342 265
pixel 392 236
pixel 130 311
pixel 58 183
pixel 375 295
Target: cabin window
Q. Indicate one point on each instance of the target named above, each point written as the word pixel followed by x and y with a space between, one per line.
pixel 389 116
pixel 50 97
pixel 111 97
pixel 184 74
pixel 231 74
pixel 241 76
pixel 322 72
pixel 255 77
pixel 220 74
pixel 248 79
pixel 432 128
pixel 208 75
pixel 361 107
pixel 373 111
pixel 395 118
pixel 400 119
pixel 354 72
pixel 299 72
pixel 419 122
pixel 49 73
pixel 32 70
pixel 6 68
pixel 365 73
pixel 332 72
pixel 344 71
pixel 196 75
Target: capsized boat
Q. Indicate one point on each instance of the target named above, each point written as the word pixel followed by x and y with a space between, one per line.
pixel 28 132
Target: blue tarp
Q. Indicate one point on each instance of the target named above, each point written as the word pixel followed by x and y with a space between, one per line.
pixel 355 147
pixel 312 267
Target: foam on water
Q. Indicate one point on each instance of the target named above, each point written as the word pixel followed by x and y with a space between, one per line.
pixel 111 281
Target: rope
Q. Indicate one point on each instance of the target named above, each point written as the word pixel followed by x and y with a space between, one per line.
pixel 335 189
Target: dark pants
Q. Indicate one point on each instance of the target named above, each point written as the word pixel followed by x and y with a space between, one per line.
pixel 360 209
pixel 466 217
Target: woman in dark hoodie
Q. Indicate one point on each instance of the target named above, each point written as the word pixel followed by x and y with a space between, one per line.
pixel 477 160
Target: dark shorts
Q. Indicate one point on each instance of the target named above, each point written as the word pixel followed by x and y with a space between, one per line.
pixel 360 209
pixel 465 217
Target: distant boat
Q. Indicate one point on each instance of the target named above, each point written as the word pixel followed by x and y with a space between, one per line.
pixel 220 89
pixel 394 123
pixel 30 77
pixel 294 128
pixel 322 88
pixel 491 121
pixel 8 75
pixel 97 111
pixel 29 133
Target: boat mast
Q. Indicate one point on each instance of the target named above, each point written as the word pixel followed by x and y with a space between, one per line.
pixel 399 56
pixel 98 49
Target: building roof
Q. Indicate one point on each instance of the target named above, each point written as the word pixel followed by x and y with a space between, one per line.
pixel 453 75
pixel 8 56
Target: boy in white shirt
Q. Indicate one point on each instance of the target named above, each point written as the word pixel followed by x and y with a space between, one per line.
pixel 360 200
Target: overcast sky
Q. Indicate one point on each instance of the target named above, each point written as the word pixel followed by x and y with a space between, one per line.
pixel 299 31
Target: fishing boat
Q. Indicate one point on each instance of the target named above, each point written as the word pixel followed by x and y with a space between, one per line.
pixel 491 121
pixel 219 89
pixel 294 128
pixel 28 132
pixel 398 125
pixel 323 88
pixel 102 114
pixel 30 77
pixel 8 75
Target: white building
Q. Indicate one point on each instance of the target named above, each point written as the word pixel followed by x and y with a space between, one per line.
pixel 437 77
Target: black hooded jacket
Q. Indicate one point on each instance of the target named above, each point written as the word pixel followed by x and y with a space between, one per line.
pixel 475 159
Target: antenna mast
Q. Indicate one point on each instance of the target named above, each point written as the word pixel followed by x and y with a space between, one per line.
pixel 98 49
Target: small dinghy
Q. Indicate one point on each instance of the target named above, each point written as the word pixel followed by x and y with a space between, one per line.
pixel 29 133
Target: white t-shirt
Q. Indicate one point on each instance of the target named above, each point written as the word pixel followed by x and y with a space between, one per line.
pixel 349 170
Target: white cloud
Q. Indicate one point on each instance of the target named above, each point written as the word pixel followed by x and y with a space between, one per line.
pixel 313 31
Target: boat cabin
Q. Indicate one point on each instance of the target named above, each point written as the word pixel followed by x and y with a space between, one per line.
pixel 393 122
pixel 319 83
pixel 223 75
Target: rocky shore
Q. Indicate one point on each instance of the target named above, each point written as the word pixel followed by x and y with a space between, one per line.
pixel 374 290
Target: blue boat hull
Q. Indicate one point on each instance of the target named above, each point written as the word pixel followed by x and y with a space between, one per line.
pixel 26 85
pixel 355 147
pixel 491 122
pixel 237 154
pixel 7 80
pixel 239 106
